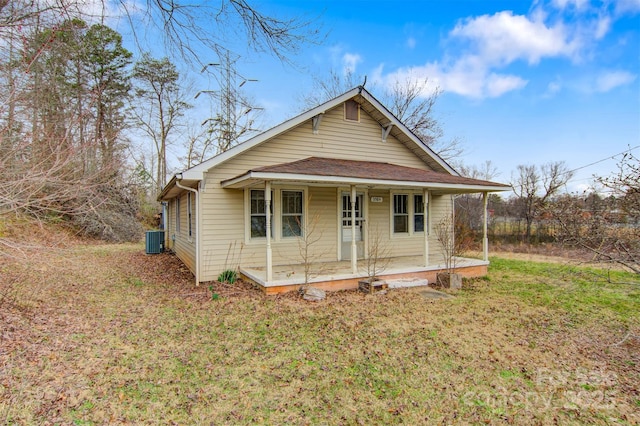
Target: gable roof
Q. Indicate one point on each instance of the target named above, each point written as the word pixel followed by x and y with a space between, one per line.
pixel 339 171
pixel 367 102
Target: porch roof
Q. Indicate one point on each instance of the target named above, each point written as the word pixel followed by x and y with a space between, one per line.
pixel 332 171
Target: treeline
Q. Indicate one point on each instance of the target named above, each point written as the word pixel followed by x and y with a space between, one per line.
pixel 605 226
pixel 67 150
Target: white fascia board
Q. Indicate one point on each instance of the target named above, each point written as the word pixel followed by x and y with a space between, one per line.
pixel 197 172
pixel 341 180
pixel 393 119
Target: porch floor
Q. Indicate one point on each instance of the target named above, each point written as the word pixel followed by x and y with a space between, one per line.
pixel 403 268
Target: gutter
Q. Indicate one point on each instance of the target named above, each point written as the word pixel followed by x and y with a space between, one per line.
pixel 178 178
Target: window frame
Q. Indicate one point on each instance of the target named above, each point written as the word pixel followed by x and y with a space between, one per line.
pixel 416 213
pixel 411 213
pixel 406 214
pixel 301 214
pixel 178 215
pixel 251 215
pixel 190 213
pixel 277 231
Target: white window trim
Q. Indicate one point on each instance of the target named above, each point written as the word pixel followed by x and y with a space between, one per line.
pixel 411 213
pixel 276 222
pixel 303 213
pixel 412 227
pixel 190 216
pixel 178 215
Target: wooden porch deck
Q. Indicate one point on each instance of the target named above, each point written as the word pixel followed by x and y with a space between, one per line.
pixel 406 271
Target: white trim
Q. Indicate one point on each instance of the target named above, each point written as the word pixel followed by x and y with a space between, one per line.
pixel 276 219
pixel 282 178
pixel 392 214
pixel 411 203
pixel 197 172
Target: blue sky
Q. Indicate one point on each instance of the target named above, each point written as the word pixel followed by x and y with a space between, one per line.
pixel 523 82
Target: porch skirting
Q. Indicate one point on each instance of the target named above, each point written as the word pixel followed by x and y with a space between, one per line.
pixel 290 277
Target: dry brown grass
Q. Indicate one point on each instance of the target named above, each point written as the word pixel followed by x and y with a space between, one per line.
pixel 97 334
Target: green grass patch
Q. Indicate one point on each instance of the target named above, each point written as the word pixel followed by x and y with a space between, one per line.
pixel 530 344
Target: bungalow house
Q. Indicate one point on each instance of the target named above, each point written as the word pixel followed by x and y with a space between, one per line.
pixel 318 199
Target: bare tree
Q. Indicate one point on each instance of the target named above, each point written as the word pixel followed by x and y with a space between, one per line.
pixel 310 231
pixel 377 258
pixel 411 101
pixel 534 186
pixel 160 108
pixel 187 26
pixel 609 228
pixel 469 208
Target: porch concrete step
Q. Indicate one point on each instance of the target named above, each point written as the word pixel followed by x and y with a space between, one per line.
pixel 407 282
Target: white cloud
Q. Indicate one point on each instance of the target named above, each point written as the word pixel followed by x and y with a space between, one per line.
pixel 612 79
pixel 602 27
pixel 503 38
pixel 552 88
pixel 464 78
pixel 349 62
pixel 411 42
pixel 627 6
pixel 499 84
pixel 578 4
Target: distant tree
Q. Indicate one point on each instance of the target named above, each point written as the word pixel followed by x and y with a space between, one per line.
pixel 469 207
pixel 608 227
pixel 161 104
pixel 534 186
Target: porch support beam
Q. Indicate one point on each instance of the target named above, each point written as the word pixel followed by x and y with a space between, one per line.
pixel 485 239
pixel 354 247
pixel 315 121
pixel 385 131
pixel 267 206
pixel 425 209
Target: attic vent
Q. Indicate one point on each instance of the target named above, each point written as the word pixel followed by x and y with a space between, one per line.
pixel 351 110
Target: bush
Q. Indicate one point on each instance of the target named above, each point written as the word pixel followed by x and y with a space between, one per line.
pixel 228 276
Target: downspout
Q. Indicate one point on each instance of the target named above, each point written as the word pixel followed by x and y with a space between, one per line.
pixel 197 194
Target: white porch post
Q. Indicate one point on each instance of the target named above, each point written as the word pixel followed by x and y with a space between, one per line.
pixel 267 206
pixel 354 247
pixel 485 239
pixel 425 206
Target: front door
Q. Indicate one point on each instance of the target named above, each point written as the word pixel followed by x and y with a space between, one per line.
pixel 346 226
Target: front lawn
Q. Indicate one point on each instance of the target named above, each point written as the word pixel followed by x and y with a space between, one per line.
pixel 97 334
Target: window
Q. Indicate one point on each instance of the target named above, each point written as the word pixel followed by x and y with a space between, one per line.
pixel 258 214
pixel 352 110
pixel 418 213
pixel 292 213
pixel 178 215
pixel 189 211
pixel 400 214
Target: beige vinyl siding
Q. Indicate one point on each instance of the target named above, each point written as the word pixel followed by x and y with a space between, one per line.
pixel 439 208
pixel 183 245
pixel 224 215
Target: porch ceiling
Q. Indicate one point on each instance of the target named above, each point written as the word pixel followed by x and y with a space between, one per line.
pixel 337 172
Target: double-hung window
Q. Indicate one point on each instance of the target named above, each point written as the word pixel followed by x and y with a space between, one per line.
pixel 409 215
pixel 418 213
pixel 400 214
pixel 292 217
pixel 258 214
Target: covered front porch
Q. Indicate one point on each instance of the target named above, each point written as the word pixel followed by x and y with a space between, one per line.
pixel 369 212
pixel 405 271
